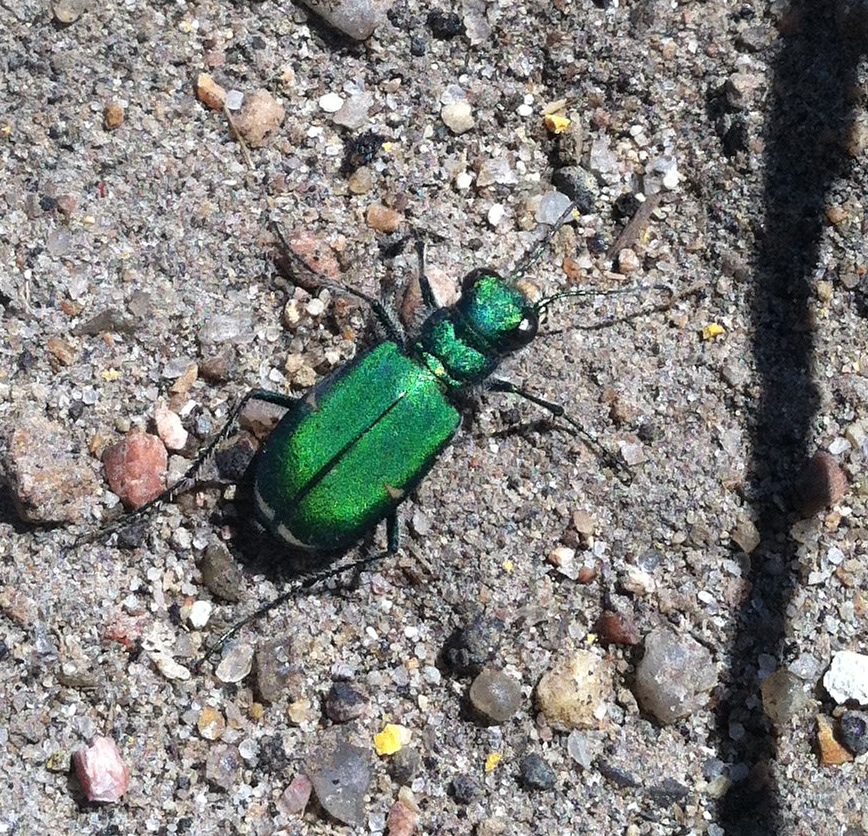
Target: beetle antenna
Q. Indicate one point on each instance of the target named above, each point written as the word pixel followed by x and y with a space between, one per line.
pixel 542 245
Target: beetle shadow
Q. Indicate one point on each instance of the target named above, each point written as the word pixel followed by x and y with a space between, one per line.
pixel 808 117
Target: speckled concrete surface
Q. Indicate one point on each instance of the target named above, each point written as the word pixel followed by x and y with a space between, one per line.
pixel 164 222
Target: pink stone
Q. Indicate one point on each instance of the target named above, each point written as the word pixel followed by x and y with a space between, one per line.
pixel 135 468
pixel 100 770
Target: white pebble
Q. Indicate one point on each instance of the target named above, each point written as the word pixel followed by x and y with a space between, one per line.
pixel 200 612
pixel 847 677
pixel 495 214
pixel 331 102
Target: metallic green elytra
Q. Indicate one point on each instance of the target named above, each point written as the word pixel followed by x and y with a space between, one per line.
pixel 345 456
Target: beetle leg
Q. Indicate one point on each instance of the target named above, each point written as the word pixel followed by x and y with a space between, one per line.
pixel 392 533
pixel 385 317
pixel 613 460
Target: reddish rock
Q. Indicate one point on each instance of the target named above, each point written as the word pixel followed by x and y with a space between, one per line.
pixel 135 468
pixel 617 628
pixel 101 771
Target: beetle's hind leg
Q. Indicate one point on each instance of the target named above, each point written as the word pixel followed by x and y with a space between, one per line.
pixel 608 457
pixel 189 479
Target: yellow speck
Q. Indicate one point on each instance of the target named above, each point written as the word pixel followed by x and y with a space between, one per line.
pixel 591 638
pixel 388 146
pixel 392 738
pixel 111 374
pixel 6 130
pixel 712 330
pixel 508 566
pixel 492 761
pixel 556 124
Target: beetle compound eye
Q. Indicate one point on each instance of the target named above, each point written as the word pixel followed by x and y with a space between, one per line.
pixel 525 331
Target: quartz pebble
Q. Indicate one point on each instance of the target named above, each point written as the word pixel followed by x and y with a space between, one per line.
pixel 169 428
pixel 783 696
pixel 674 676
pixel 101 771
pixel 572 695
pixel 211 723
pixel 236 663
pixel 295 797
pixel 135 468
pixel 495 697
pixel 458 117
pixel 847 678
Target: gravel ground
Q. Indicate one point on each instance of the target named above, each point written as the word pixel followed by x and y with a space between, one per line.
pixel 135 243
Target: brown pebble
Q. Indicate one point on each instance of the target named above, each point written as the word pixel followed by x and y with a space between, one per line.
pixel 209 92
pixel 211 723
pixel 830 751
pixel 62 351
pixel 401 821
pixel 822 483
pixel 617 628
pixel 101 771
pixel 382 218
pixel 587 574
pixel 113 116
pixel 259 119
pixel 135 468
pixel 316 254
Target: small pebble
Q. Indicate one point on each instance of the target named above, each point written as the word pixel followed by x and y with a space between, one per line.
pixel 382 218
pixel 47 478
pixel 344 703
pixel 135 468
pixel 221 574
pixel 551 207
pixel 67 11
pixel 831 752
pixel 169 668
pixel 404 765
pixel 464 788
pixel 470 647
pixel 847 678
pixel 674 676
pixel 331 102
pixel 402 820
pixel 445 25
pixel 200 614
pixel 355 18
pixel 853 726
pixel 169 428
pixel 340 779
pixel 572 695
pixel 113 116
pixel 236 663
pixel 820 485
pixel 209 92
pixel 458 117
pixel 295 797
pixel 234 99
pixel 223 766
pixel 259 119
pixel 535 774
pixel 101 771
pixel 564 560
pixel 745 535
pixel 783 696
pixel 495 215
pixel 495 697
pixel 211 723
pixel 279 674
pixel 617 628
